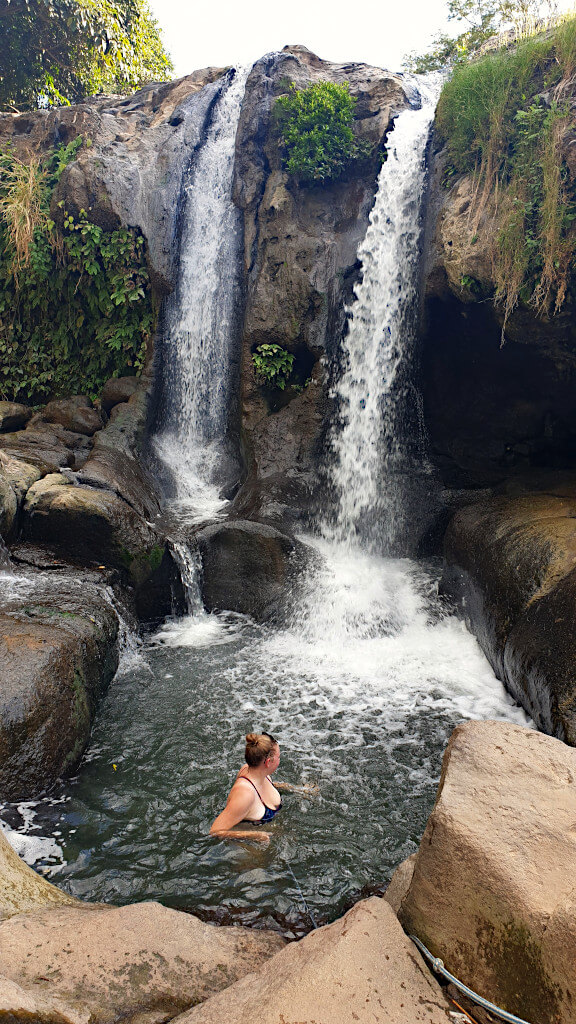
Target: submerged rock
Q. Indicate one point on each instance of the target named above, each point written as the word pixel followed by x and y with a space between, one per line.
pixel 58 652
pixel 137 963
pixel 492 893
pixel 512 562
pixel 248 567
pixel 361 968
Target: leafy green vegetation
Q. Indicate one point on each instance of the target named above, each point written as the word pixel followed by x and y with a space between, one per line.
pixel 273 365
pixel 58 51
pixel 504 118
pixel 75 301
pixel 315 127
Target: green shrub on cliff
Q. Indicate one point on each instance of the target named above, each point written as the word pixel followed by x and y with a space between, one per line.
pixel 315 126
pixel 505 118
pixel 273 365
pixel 75 301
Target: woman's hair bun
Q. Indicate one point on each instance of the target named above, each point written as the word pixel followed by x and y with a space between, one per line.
pixel 252 737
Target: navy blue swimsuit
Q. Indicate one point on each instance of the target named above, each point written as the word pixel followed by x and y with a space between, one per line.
pixel 269 812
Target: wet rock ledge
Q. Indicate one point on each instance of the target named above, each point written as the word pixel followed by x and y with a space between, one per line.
pixel 511 562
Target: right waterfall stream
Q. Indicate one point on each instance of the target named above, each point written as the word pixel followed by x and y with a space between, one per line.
pixel 362 682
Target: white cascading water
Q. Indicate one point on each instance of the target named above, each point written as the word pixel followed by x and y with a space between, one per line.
pixel 363 618
pixel 371 460
pixel 200 319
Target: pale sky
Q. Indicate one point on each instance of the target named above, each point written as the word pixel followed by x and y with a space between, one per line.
pixel 225 32
pixel 230 32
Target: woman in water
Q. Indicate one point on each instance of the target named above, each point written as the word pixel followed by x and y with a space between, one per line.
pixel 253 798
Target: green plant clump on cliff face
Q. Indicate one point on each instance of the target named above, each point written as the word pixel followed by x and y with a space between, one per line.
pixel 59 51
pixel 505 119
pixel 75 301
pixel 273 365
pixel 315 127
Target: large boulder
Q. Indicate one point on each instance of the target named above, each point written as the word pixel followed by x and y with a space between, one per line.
pixel 248 567
pixel 42 448
pixel 15 479
pixel 117 461
pixel 13 415
pixel 493 892
pixel 58 652
pixel 20 475
pixel 361 968
pixel 8 506
pixel 117 390
pixel 511 560
pixel 97 964
pixel 76 414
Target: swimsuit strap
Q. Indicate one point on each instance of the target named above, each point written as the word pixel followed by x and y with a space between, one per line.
pixel 275 809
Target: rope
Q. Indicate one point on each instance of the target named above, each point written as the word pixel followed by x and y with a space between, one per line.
pixel 308 911
pixel 438 967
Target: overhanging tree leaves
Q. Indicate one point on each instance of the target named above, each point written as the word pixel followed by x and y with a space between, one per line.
pixel 59 51
pixel 481 19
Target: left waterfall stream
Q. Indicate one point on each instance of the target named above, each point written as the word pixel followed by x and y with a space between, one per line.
pixel 363 682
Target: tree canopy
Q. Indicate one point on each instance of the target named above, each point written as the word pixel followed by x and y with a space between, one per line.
pixel 59 51
pixel 481 19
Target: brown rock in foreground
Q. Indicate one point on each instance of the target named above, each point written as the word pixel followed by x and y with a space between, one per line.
pixel 493 891
pixel 360 969
pixel 21 889
pixel 97 965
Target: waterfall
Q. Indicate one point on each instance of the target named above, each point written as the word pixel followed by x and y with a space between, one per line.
pixel 201 319
pixel 374 437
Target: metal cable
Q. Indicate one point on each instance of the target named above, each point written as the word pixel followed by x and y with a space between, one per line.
pixel 438 967
pixel 308 911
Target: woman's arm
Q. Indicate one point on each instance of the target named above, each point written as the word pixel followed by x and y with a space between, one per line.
pixel 237 807
pixel 310 790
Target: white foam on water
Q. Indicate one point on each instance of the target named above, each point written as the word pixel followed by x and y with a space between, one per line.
pixel 201 630
pixel 29 843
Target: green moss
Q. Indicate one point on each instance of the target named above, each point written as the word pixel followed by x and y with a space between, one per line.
pixel 516 961
pixel 79 719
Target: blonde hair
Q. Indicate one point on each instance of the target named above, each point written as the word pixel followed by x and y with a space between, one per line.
pixel 259 746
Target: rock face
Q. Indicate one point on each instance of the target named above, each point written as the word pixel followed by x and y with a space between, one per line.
pixel 132 172
pixel 101 964
pixel 491 408
pixel 248 567
pixel 58 653
pixel 493 887
pixel 21 889
pixel 512 562
pixel 300 265
pixel 361 968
